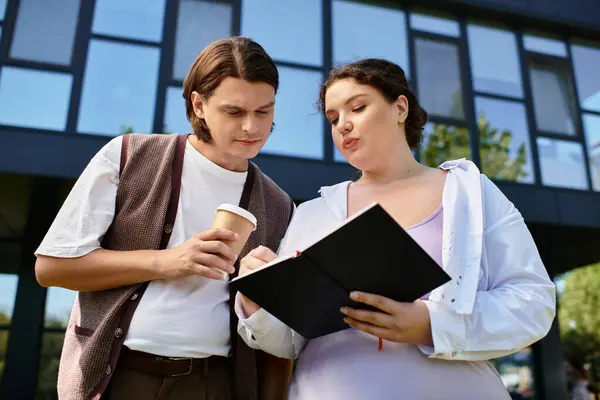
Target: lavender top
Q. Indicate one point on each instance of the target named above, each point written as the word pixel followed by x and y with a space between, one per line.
pixel 347 365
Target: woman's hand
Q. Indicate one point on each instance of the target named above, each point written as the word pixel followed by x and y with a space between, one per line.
pixel 397 322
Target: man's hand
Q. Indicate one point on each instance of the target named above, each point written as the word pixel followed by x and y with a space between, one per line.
pixel 253 260
pixel 203 254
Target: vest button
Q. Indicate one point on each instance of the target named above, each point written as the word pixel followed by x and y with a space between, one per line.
pixel 108 370
pixel 168 228
pixel 134 297
pixel 119 333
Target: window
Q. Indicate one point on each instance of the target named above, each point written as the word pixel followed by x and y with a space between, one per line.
pixel 175 118
pixel 585 64
pixel 298 124
pixel 27 92
pixel 438 78
pixel 133 19
pixel 198 24
pixel 119 88
pixel 45 31
pixel 545 45
pixel 591 127
pixel 58 309
pixel 8 284
pixel 562 163
pixel 289 31
pixel 2 8
pixel 494 61
pixel 428 23
pixel 442 143
pixel 553 97
pixel 365 31
pixel 504 140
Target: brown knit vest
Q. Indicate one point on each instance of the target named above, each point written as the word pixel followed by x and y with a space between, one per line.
pixel 146 206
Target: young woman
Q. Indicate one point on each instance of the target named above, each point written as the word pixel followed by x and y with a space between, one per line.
pixel 500 298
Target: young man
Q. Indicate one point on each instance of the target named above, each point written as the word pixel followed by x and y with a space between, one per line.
pixel 152 319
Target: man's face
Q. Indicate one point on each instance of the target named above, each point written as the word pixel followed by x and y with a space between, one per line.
pixel 239 115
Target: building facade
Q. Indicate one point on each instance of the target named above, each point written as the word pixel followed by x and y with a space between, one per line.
pixel 513 85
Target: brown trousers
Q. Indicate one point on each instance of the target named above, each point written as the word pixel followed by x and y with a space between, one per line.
pixel 213 383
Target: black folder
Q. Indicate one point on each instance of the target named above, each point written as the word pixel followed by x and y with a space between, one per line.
pixel 370 252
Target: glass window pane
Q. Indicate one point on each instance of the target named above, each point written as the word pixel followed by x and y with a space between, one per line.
pixel 545 45
pixel 289 31
pixel 432 24
pixel 585 64
pixel 562 163
pixel 494 61
pixel 198 24
pixel 45 31
pixel 591 127
pixel 364 31
pixel 553 98
pixel 442 143
pixel 118 96
pixel 438 78
pixel 516 372
pixel 48 365
pixel 2 8
pixel 20 91
pixel 298 124
pixel 59 303
pixel 116 18
pixel 504 143
pixel 175 118
pixel 8 293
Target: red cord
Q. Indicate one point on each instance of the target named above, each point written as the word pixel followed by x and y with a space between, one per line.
pixel 380 346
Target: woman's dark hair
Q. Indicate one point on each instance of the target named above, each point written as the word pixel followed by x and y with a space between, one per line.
pixel 236 57
pixel 390 80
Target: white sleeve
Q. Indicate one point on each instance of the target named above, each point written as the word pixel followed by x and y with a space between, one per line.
pixel 88 210
pixel 265 332
pixel 514 309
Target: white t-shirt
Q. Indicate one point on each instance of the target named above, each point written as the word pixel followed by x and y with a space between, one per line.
pixel 185 318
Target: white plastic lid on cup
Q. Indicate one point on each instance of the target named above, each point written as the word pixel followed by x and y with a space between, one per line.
pixel 239 211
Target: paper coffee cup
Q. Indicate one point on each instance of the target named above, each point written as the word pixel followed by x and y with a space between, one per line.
pixel 238 220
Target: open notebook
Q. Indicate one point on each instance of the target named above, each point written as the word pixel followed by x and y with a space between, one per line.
pixel 370 252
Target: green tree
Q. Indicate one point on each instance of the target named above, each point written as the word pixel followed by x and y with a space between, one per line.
pixel 494 148
pixel 579 317
pixel 579 312
pixel 125 129
pixel 446 142
pixel 49 358
pixel 48 367
pixel 4 320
